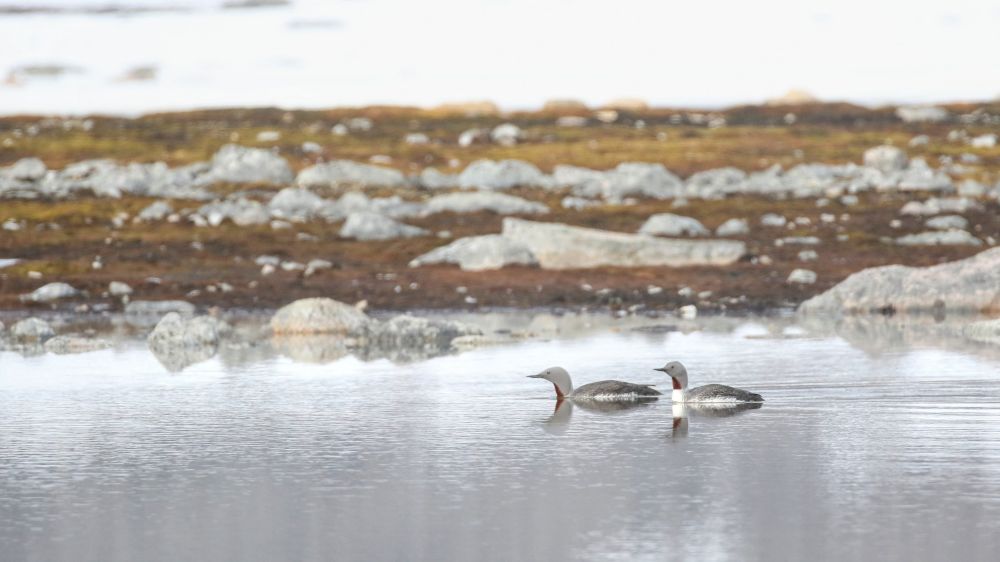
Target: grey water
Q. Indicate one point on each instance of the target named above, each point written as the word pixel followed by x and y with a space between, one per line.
pixel 864 449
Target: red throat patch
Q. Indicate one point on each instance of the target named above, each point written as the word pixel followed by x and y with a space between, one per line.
pixel 559 393
pixel 677 385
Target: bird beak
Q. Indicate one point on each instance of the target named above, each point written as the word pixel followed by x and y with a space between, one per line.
pixel 661 370
pixel 538 376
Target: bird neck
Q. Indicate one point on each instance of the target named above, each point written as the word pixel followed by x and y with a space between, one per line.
pixel 678 394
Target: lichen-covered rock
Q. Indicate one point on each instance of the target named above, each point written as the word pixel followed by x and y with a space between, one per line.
pixel 32 329
pixel 628 179
pixel 67 344
pixel 507 134
pixel 715 183
pixel 318 316
pixel 431 178
pixel 969 285
pixel 802 277
pixel 560 246
pixel 51 292
pixel 155 211
pixel 242 212
pixel 240 164
pixel 500 203
pixel 940 238
pixel 477 253
pixel 947 222
pixel 297 203
pixel 341 173
pixel 733 227
pixel 373 226
pixel 886 158
pixel 503 174
pixel 178 342
pixel 669 224
pixel 937 205
pixel 26 169
pixel 119 289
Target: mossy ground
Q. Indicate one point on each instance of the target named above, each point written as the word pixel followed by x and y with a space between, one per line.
pixel 377 271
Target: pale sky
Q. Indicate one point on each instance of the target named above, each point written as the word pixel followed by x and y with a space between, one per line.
pixel 517 53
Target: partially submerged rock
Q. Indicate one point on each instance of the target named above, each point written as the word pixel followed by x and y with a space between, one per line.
pixel 32 329
pixel 478 253
pixel 318 316
pixel 409 337
pixel 969 285
pixel 373 226
pixel 986 331
pixel 669 224
pixel 51 292
pixel 178 342
pixel 560 246
pixel 68 344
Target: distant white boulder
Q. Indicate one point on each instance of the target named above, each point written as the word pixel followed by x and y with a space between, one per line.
pixel 500 203
pixel 669 224
pixel 341 173
pixel 367 225
pixel 502 174
pixel 886 158
pixel 51 292
pixel 317 316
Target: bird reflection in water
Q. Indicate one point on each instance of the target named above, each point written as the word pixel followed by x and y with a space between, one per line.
pixel 682 412
pixel 559 420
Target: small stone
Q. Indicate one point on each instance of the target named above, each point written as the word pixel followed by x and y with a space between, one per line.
pixel 802 276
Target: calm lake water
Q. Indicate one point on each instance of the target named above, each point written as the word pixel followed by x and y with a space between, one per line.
pixel 867 448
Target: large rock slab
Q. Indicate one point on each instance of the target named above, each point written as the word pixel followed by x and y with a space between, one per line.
pixel 318 316
pixel 559 246
pixel 478 253
pixel 969 285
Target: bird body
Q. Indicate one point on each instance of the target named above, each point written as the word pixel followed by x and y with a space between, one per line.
pixel 611 390
pixel 707 394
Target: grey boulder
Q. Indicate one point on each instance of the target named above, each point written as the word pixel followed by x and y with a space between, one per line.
pixel 969 285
